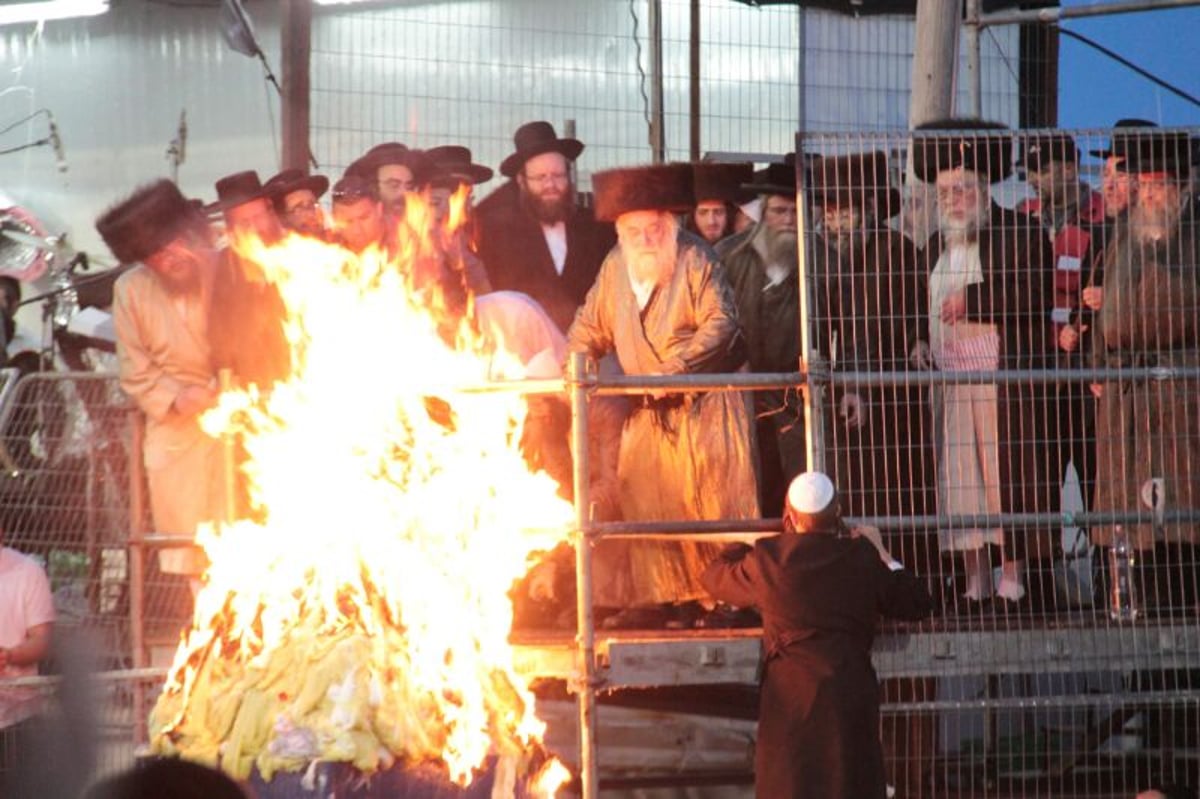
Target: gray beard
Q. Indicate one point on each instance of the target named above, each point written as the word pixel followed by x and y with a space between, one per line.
pixel 782 248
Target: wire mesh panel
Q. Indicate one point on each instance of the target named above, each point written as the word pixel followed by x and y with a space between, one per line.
pixel 1014 397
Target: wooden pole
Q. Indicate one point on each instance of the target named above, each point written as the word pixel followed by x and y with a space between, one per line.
pixel 658 136
pixel 974 65
pixel 934 56
pixel 296 32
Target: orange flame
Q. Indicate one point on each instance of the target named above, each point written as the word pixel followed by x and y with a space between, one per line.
pixel 362 614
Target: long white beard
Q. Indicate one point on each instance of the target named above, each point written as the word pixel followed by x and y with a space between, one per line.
pixel 651 267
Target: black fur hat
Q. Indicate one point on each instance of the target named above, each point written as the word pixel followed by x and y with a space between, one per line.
pixel 972 144
pixel 661 187
pixel 858 179
pixel 143 223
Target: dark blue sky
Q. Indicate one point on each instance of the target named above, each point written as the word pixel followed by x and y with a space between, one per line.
pixel 1094 90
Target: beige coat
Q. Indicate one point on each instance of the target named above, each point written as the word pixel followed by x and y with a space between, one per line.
pixel 688 459
pixel 160 352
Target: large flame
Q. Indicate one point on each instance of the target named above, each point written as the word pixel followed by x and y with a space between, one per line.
pixel 362 615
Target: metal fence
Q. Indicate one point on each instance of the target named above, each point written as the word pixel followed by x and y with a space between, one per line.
pixel 1047 696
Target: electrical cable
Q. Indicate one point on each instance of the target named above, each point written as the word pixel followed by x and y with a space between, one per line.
pixel 642 75
pixel 1127 63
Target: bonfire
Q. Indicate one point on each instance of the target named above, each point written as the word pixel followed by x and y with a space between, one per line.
pixel 361 614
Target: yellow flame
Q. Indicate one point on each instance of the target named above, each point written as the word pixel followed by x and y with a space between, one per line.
pixel 362 613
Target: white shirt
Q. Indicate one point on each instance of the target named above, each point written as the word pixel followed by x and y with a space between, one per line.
pixel 556 240
pixel 963 346
pixel 25 601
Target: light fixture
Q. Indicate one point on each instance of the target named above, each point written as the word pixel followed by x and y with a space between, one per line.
pixel 12 13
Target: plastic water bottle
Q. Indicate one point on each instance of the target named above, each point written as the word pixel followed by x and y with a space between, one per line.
pixel 1121 558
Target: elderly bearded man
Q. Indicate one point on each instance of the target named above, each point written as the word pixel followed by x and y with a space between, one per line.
pixel 160 309
pixel 761 263
pixel 990 283
pixel 1148 431
pixel 662 304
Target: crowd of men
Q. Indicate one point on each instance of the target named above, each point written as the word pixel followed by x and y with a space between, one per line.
pixel 681 269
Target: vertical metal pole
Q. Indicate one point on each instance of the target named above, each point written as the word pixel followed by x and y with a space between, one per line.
pixel 974 78
pixel 658 139
pixel 585 649
pixel 572 169
pixel 813 427
pixel 801 70
pixel 296 47
pixel 694 83
pixel 137 566
pixel 229 452
pixel 935 49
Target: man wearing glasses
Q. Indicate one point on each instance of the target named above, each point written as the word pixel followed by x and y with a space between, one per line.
pixel 536 239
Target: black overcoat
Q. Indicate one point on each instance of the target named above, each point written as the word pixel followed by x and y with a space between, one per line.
pixel 821 597
pixel 517 258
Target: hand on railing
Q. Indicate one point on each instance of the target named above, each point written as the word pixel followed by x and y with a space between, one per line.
pixel 853 409
pixel 1068 337
pixel 1093 297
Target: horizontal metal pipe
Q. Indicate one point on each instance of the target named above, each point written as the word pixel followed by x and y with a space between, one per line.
pixel 1047 15
pixel 756 527
pixel 1038 702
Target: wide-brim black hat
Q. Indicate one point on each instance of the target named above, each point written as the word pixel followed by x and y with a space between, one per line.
pixel 537 138
pixel 776 178
pixel 290 180
pixel 857 179
pixel 1167 152
pixel 454 162
pixel 237 189
pixel 972 144
pixel 660 187
pixel 721 182
pixel 1042 149
pixel 146 221
pixel 1120 128
pixel 392 152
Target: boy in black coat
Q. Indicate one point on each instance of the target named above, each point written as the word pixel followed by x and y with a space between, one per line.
pixel 821 589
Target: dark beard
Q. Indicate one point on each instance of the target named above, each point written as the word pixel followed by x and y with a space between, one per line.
pixel 549 213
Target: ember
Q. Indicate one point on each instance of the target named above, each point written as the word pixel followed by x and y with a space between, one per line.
pixel 362 615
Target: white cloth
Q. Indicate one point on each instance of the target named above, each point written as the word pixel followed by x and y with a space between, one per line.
pixel 961 346
pixel 524 341
pixel 968 454
pixel 25 602
pixel 556 240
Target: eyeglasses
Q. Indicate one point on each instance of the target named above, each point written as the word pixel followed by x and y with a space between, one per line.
pixel 350 194
pixel 543 178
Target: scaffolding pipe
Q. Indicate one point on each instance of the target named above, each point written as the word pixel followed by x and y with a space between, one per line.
pixel 974 76
pixel 1047 15
pixel 658 138
pixel 757 527
pixel 585 649
pixel 813 442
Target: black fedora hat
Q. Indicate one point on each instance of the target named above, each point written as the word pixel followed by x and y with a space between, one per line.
pixel 1121 128
pixel 536 138
pixel 972 144
pixel 1042 149
pixel 290 180
pixel 1168 152
pixel 721 182
pixel 237 189
pixel 147 220
pixel 776 178
pixel 857 179
pixel 391 152
pixel 452 163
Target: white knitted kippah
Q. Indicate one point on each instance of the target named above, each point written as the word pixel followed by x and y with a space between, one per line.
pixel 810 493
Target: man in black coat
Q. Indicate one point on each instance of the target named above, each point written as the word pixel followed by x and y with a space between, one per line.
pixel 535 239
pixel 990 275
pixel 821 589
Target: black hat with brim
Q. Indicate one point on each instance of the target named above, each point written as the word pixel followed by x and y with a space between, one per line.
pixel 1122 125
pixel 237 189
pixel 855 180
pixel 290 180
pixel 537 138
pixel 453 162
pixel 720 182
pixel 984 148
pixel 776 178
pixel 1042 149
pixel 1149 153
